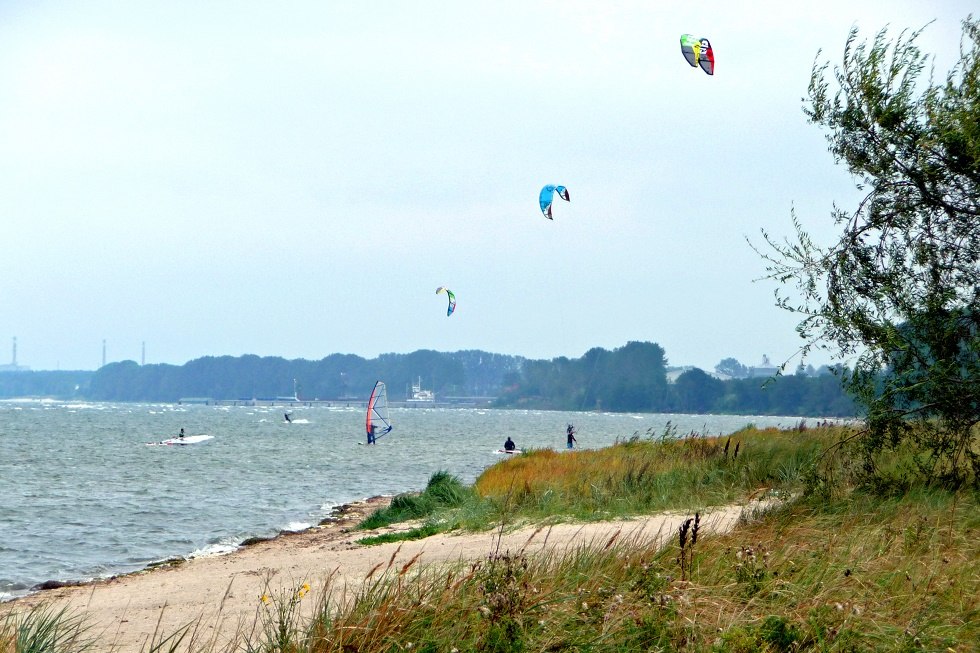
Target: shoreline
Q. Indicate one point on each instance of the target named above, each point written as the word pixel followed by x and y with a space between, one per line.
pixel 343 517
pixel 106 530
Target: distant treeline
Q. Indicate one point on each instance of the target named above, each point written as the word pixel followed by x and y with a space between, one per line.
pixel 338 376
pixel 632 378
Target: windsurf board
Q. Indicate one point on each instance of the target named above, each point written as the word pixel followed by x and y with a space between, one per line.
pixel 187 439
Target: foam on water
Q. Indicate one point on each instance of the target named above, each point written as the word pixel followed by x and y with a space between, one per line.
pixel 212 550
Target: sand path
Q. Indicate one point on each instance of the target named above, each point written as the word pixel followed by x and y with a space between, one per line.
pixel 220 595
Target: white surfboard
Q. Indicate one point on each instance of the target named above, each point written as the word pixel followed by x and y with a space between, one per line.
pixel 187 439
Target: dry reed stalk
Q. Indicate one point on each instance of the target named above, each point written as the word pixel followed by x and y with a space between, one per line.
pixel 373 570
pixel 613 538
pixel 534 534
pixel 394 554
pixel 409 564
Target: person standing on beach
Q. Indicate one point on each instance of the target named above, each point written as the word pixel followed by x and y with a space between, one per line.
pixel 570 431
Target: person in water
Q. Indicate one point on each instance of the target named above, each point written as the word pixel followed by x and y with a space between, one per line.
pixel 371 434
pixel 509 445
pixel 570 431
pixel 181 434
pixel 286 415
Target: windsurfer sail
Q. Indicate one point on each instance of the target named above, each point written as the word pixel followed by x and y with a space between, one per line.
pixel 377 421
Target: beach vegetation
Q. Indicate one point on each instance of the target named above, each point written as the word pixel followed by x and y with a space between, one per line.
pixel 643 474
pixel 417 533
pixel 653 472
pixel 859 573
pixel 443 491
pixel 281 626
pixel 850 570
pixel 44 630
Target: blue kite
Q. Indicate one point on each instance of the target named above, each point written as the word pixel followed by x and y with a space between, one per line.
pixel 547 196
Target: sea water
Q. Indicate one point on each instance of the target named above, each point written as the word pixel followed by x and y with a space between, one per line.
pixel 82 496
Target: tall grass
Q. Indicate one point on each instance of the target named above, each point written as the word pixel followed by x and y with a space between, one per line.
pixel 869 574
pixel 638 476
pixel 43 630
pixel 643 476
pixel 865 573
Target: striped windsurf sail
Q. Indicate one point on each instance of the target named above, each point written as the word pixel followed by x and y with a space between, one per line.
pixel 377 422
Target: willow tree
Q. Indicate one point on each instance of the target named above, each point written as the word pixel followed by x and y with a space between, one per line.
pixel 899 290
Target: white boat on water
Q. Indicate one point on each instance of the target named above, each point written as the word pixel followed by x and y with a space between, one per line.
pixel 421 397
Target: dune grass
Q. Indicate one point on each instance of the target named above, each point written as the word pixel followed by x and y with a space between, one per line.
pixel 647 475
pixel 436 509
pixel 865 574
pixel 43 630
pixel 639 476
pixel 841 571
pixel 861 574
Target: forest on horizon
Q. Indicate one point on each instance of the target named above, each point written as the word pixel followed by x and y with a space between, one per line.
pixel 632 378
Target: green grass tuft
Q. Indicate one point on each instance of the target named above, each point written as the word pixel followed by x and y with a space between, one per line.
pixel 444 491
pixel 412 534
pixel 43 630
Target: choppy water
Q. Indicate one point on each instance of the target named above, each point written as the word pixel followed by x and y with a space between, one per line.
pixel 81 496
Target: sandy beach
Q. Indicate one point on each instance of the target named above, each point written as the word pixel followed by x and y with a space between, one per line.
pixel 219 597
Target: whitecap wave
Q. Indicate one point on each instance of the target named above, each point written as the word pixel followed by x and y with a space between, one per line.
pixel 213 550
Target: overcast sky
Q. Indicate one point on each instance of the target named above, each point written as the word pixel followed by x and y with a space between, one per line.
pixel 296 179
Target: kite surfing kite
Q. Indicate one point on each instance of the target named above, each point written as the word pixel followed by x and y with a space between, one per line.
pixel 547 196
pixel 452 299
pixel 377 423
pixel 698 52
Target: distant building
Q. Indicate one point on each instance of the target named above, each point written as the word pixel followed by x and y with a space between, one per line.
pixel 765 369
pixel 13 366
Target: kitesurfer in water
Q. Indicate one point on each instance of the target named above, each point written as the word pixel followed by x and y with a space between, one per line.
pixel 371 434
pixel 509 445
pixel 286 415
pixel 570 431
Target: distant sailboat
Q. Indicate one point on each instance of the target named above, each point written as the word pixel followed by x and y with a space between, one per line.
pixel 377 421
